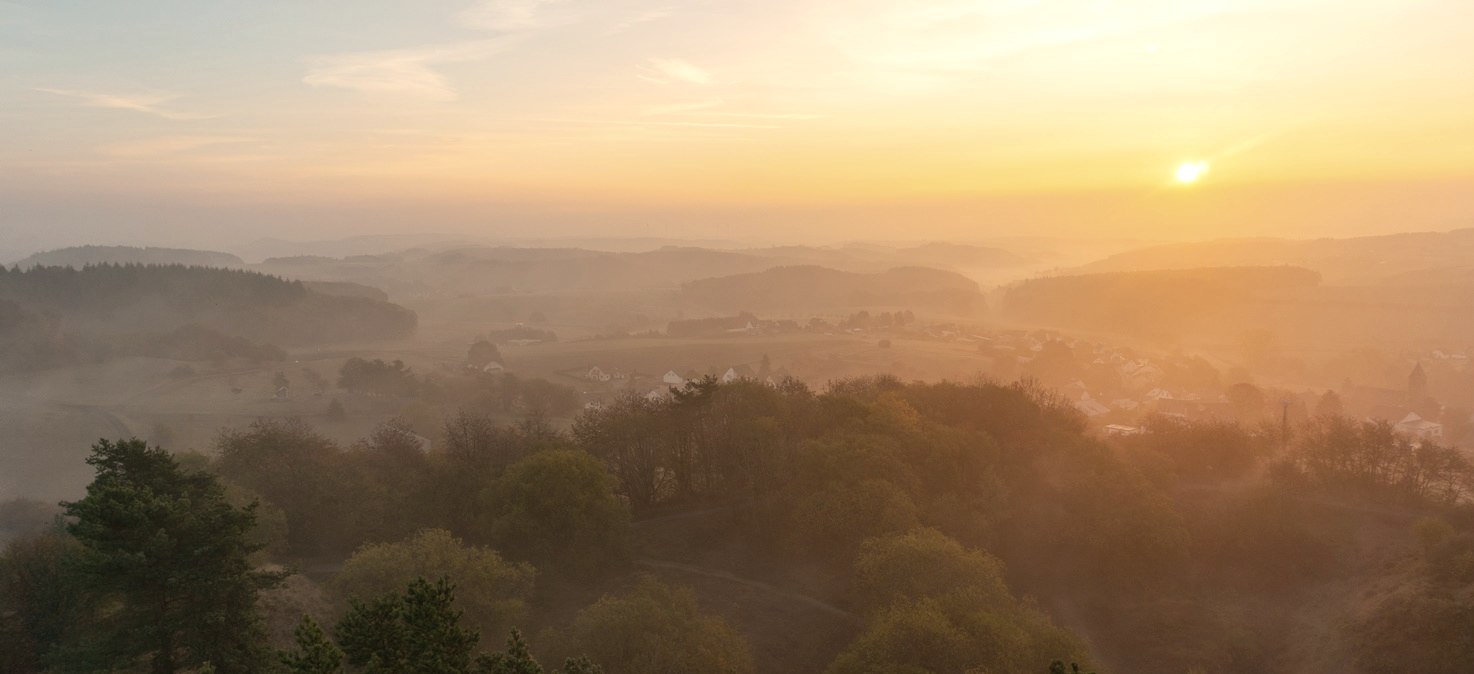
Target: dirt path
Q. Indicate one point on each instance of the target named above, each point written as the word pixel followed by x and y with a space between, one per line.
pixel 719 574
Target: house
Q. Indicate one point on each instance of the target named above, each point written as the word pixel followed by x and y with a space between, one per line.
pixel 730 376
pixel 493 368
pixel 420 441
pixel 596 373
pixel 1091 407
pixel 1415 426
pixel 659 394
pixel 673 379
pixel 1121 430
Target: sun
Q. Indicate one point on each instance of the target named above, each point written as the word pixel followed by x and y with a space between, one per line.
pixel 1189 172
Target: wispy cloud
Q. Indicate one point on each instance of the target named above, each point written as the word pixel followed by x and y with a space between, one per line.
pixel 167 145
pixel 409 71
pixel 711 108
pixel 678 70
pixel 641 18
pixel 152 104
pixel 518 15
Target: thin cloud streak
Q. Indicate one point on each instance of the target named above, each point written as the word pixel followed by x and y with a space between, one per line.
pixel 680 71
pixel 151 104
pixel 505 16
pixel 167 145
pixel 410 72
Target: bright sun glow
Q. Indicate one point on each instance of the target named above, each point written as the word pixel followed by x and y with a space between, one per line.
pixel 1190 172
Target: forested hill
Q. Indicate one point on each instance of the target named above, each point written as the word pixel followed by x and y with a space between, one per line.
pixel 58 315
pixel 81 256
pixel 808 288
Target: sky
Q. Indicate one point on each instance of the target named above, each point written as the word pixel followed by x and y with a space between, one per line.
pixel 187 122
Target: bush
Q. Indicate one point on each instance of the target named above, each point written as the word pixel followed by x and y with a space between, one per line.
pixel 491 591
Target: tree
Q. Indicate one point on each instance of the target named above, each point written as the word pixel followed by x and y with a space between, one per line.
pixel 1248 401
pixel 557 509
pixel 315 654
pixel 42 601
pixel 515 660
pixel 171 553
pixel 657 628
pixel 493 592
pixel 483 353
pixel 1329 405
pixel 417 632
pixel 295 469
pixel 934 606
pixel 335 411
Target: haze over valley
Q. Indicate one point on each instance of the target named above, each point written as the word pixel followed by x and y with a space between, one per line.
pixel 619 337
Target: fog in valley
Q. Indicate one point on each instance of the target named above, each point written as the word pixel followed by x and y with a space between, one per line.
pixel 523 336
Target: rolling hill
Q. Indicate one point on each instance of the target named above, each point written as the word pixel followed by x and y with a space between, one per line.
pixel 812 288
pixel 52 316
pixel 81 256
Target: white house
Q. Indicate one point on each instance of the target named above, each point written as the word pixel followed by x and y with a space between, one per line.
pixel 596 373
pixel 1418 427
pixel 673 379
pixel 730 375
pixel 658 394
pixel 1091 407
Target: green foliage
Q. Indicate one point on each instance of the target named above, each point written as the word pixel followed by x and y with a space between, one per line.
pixel 188 312
pixel 1428 633
pixel 657 628
pixel 835 520
pixel 934 606
pixel 558 509
pixel 924 563
pixel 515 660
pixel 315 654
pixel 294 469
pixel 43 602
pixel 170 553
pixel 1371 459
pixel 493 592
pixel 417 632
pixel 1200 450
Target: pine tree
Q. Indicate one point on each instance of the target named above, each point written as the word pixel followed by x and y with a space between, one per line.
pixel 372 636
pixel 418 632
pixel 172 553
pixel 315 654
pixel 435 642
pixel 515 660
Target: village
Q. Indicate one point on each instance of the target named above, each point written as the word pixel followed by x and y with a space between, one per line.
pixel 1117 388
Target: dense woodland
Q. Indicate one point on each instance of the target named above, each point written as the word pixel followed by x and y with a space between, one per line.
pixel 966 527
pixel 55 316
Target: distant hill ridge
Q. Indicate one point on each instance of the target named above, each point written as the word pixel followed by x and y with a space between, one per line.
pixel 55 315
pixel 1352 260
pixel 81 256
pixel 810 287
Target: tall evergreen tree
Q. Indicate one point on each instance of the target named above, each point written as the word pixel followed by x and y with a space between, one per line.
pixel 315 653
pixel 416 633
pixel 170 553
